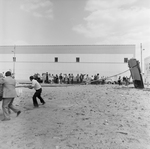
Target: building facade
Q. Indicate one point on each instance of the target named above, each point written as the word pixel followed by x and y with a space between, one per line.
pixel 106 60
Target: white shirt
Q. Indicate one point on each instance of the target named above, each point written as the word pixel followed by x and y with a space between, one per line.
pixel 36 85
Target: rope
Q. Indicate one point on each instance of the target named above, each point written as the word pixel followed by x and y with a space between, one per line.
pixel 114 75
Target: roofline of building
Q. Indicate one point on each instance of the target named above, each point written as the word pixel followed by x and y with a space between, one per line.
pixel 67 45
pixel 67 49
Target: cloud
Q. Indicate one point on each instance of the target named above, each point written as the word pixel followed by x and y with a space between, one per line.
pixel 93 5
pixel 38 8
pixel 116 21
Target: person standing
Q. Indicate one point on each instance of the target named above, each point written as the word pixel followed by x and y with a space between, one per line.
pixel 38 90
pixel 9 93
pixel 119 80
pixel 60 78
pixel 71 78
pixel 77 78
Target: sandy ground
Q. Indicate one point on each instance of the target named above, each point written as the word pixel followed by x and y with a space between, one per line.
pixel 80 117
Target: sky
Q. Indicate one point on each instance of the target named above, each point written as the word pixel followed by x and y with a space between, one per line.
pixel 76 22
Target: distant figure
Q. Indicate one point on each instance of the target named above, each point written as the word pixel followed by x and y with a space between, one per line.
pixel 92 78
pixel 119 80
pixel 81 78
pixel 43 77
pixel 65 78
pixel 127 82
pixel 71 78
pixel 68 81
pixel 56 79
pixel 103 80
pixel 124 80
pixel 60 78
pixel 9 93
pixel 47 78
pixel 38 90
pixel 77 78
pixel 87 79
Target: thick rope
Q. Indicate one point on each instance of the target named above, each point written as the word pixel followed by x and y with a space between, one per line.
pixel 114 75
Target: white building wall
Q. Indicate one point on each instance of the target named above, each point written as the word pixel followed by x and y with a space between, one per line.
pixel 66 57
pixel 23 71
pixel 106 60
pixel 28 64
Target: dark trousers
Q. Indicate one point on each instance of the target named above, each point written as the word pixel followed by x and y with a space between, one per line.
pixel 37 94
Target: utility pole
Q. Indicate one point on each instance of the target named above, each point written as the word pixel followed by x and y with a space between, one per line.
pixel 141 60
pixel 14 59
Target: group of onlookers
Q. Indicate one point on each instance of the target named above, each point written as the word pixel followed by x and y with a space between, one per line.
pixel 124 80
pixel 76 79
pixel 66 78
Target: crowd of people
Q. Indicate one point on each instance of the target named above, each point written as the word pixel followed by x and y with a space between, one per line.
pixel 67 78
pixel 78 79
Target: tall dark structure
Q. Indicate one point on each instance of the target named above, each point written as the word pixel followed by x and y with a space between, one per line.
pixel 136 73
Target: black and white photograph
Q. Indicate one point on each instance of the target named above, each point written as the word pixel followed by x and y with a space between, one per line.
pixel 74 74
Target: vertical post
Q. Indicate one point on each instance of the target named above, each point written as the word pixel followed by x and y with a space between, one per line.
pixel 141 60
pixel 14 60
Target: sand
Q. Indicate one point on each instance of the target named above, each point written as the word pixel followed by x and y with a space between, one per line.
pixel 80 117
